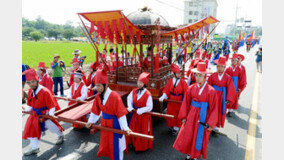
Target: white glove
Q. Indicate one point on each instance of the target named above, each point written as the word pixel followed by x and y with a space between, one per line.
pixel 51 111
pixel 138 111
pixel 129 109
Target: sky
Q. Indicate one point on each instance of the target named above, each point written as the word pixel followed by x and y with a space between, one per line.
pixel 60 11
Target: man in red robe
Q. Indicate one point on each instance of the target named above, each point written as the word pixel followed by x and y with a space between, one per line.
pixel 147 61
pixel 200 104
pixel 224 86
pixel 76 66
pixel 174 90
pixel 40 102
pixel 111 145
pixel 193 64
pixel 44 79
pixel 78 91
pixel 234 72
pixel 242 83
pixel 91 79
pixel 141 101
pixel 114 63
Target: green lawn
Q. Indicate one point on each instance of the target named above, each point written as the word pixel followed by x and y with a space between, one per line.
pixel 43 51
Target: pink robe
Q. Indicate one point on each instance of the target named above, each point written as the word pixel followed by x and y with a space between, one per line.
pixel 186 139
pixel 227 82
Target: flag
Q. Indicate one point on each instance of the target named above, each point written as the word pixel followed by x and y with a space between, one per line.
pixel 134 49
pixel 108 32
pixel 240 36
pixel 92 29
pixel 251 36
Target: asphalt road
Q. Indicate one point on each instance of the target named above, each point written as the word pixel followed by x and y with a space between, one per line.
pixel 83 145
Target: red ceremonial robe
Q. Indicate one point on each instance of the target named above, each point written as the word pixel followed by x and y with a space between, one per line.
pixel 186 139
pixel 227 82
pixel 118 110
pixel 174 93
pixel 75 94
pixel 47 82
pixel 243 79
pixel 193 64
pixel 140 123
pixel 71 81
pixel 91 81
pixel 234 73
pixel 146 63
pixel 43 98
pixel 120 64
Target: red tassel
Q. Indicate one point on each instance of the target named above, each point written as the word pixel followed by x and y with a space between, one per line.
pixel 182 37
pixel 92 29
pixel 100 29
pixel 176 38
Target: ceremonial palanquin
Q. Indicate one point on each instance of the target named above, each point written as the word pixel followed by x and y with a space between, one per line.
pixel 138 29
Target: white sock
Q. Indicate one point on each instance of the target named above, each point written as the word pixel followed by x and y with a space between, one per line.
pixel 34 143
pixel 217 128
pixel 120 155
pixel 176 128
pixel 187 156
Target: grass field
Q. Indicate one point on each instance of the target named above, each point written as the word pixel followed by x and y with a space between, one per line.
pixel 43 51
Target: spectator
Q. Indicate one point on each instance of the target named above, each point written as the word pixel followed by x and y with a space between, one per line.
pixel 57 74
pixel 77 56
pixel 259 60
pixel 24 94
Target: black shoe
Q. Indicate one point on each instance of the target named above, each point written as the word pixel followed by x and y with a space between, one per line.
pixel 214 134
pixel 174 132
pixel 170 130
pixel 229 114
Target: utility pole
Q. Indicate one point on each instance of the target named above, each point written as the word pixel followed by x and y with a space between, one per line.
pixel 235 26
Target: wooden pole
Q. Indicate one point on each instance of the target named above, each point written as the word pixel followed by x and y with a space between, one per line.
pixel 167 100
pixel 69 99
pixel 156 114
pixel 99 127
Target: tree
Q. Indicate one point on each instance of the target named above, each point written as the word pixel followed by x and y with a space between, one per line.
pixel 26 31
pixel 36 35
pixel 68 33
pixel 53 33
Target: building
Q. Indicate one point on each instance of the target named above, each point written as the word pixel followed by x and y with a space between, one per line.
pixel 195 10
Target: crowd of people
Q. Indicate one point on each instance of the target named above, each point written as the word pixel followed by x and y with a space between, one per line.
pixel 206 97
